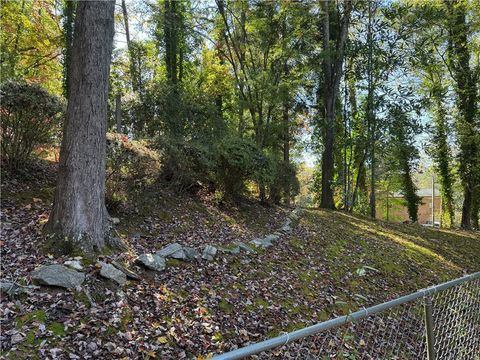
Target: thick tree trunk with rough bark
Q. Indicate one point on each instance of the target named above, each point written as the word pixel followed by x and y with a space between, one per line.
pixel 79 216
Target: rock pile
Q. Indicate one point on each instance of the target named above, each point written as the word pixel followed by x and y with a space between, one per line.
pixel 70 274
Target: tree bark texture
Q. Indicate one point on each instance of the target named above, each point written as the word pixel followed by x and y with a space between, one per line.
pixel 79 213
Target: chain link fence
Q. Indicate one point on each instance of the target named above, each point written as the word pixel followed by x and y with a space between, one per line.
pixel 441 322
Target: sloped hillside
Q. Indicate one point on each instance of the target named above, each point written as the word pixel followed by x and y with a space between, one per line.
pixel 328 264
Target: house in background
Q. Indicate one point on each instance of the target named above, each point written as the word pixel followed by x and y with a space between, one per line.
pixel 393 207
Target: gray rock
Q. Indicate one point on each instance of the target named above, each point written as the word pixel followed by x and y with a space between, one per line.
pixel 13 289
pixel 191 253
pixel 261 242
pixel 111 272
pixel 286 228
pixel 58 275
pixel 174 250
pixel 293 216
pixel 209 252
pixel 233 250
pixel 130 274
pixel 92 346
pixel 244 247
pixel 74 264
pixel 8 287
pixel 271 237
pixel 152 262
pixel 16 338
pixel 115 220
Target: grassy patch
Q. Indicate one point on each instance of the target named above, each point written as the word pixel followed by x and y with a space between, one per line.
pixel 56 328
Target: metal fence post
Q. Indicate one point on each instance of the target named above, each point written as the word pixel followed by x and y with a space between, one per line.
pixel 430 336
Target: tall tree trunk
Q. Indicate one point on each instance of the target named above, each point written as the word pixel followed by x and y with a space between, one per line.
pixel 332 67
pixel 118 112
pixel 442 155
pixel 371 112
pixel 134 68
pixel 171 39
pixel 286 145
pixel 79 214
pixel 69 19
pixel 466 87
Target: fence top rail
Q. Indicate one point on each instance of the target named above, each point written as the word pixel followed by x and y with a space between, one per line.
pixel 352 317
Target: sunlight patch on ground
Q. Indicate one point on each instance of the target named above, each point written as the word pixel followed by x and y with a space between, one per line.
pixel 406 243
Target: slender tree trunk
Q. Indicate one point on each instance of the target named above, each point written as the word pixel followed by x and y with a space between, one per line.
pixel 332 67
pixel 286 145
pixel 371 112
pixel 118 112
pixel 466 81
pixel 79 214
pixel 442 156
pixel 134 70
pixel 171 39
pixel 69 19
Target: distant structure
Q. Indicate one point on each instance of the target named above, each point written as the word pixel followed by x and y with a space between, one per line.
pixel 393 207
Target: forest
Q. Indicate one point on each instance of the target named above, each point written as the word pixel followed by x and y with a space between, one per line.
pixel 154 137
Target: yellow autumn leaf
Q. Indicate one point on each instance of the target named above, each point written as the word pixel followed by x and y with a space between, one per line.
pixel 162 340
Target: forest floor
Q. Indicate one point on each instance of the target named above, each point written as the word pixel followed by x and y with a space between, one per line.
pixel 330 264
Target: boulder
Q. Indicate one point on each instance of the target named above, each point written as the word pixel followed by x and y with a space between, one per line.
pixel 286 228
pixel 109 271
pixel 74 264
pixel 115 220
pixel 191 253
pixel 209 252
pixel 174 250
pixel 58 275
pixel 152 262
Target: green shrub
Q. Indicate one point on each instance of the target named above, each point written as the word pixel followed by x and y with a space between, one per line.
pixel 131 165
pixel 186 165
pixel 284 181
pixel 30 117
pixel 239 160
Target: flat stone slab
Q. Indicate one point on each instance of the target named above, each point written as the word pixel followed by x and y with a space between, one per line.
pixel 209 252
pixel 174 250
pixel 152 262
pixel 191 253
pixel 58 275
pixel 244 247
pixel 109 271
